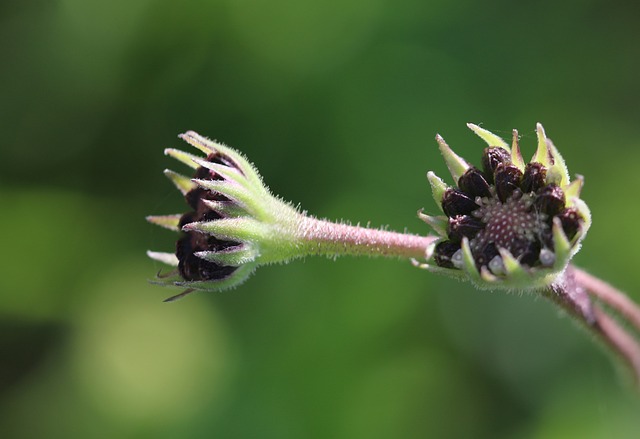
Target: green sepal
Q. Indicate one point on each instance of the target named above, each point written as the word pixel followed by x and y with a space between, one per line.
pixel 226 209
pixel 456 164
pixel 512 267
pixel 468 262
pixel 516 154
pixel 438 188
pixel 232 256
pixel 490 138
pixel 183 183
pixel 438 223
pixel 559 168
pixel 456 274
pixel 166 258
pixel 561 245
pixel 572 191
pixel 487 276
pixel 584 211
pixel 236 192
pixel 234 279
pixel 183 157
pixel 209 146
pixel 227 173
pixel 542 152
pixel 170 222
pixel 231 229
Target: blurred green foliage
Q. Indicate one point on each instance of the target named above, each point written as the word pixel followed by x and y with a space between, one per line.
pixel 337 102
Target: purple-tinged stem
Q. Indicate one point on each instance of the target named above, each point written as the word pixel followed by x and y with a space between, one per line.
pixel 610 296
pixel 571 295
pixel 328 238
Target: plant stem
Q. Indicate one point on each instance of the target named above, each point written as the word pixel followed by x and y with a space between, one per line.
pixel 570 291
pixel 328 238
pixel 570 294
pixel 610 296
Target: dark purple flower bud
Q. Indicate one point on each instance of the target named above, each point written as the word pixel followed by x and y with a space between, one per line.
pixel 474 183
pixel 463 225
pixel 486 254
pixel 570 219
pixel 508 179
pixel 491 158
pixel 192 267
pixel 443 252
pixel 527 252
pixel 534 177
pixel 455 202
pixel 550 200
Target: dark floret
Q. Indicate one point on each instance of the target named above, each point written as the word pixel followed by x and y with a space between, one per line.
pixel 474 183
pixel 491 158
pixel 486 254
pixel 463 225
pixel 443 252
pixel 507 179
pixel 190 266
pixel 533 178
pixel 570 219
pixel 456 202
pixel 550 200
pixel 526 251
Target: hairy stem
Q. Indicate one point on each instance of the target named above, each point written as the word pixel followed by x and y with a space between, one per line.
pixel 610 296
pixel 328 238
pixel 570 294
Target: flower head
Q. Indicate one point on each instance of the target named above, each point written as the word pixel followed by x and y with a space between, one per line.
pixel 233 224
pixel 506 224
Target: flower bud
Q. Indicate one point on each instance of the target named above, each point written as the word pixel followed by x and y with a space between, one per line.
pixel 455 202
pixel 491 158
pixel 515 225
pixel 507 180
pixel 473 182
pixel 534 177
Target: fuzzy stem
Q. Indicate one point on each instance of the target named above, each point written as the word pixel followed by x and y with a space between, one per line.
pixel 569 293
pixel 320 237
pixel 610 296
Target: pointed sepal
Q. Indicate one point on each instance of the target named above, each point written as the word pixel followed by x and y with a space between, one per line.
pixel 231 256
pixel 558 172
pixel 437 223
pixel 232 190
pixel 166 258
pixel 561 245
pixel 468 262
pixel 232 280
pixel 490 138
pixel 226 172
pixel 167 221
pixel 516 154
pixel 226 209
pixel 208 146
pixel 230 229
pixel 573 190
pixel 438 188
pixel 512 267
pixel 183 183
pixel 542 152
pixel 456 164
pixel 183 157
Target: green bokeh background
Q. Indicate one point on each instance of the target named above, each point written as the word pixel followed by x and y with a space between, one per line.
pixel 337 102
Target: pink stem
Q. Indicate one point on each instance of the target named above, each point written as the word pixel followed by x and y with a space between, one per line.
pixel 328 238
pixel 610 296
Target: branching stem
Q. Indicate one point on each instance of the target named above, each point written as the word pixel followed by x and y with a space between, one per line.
pixel 610 296
pixel 571 294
